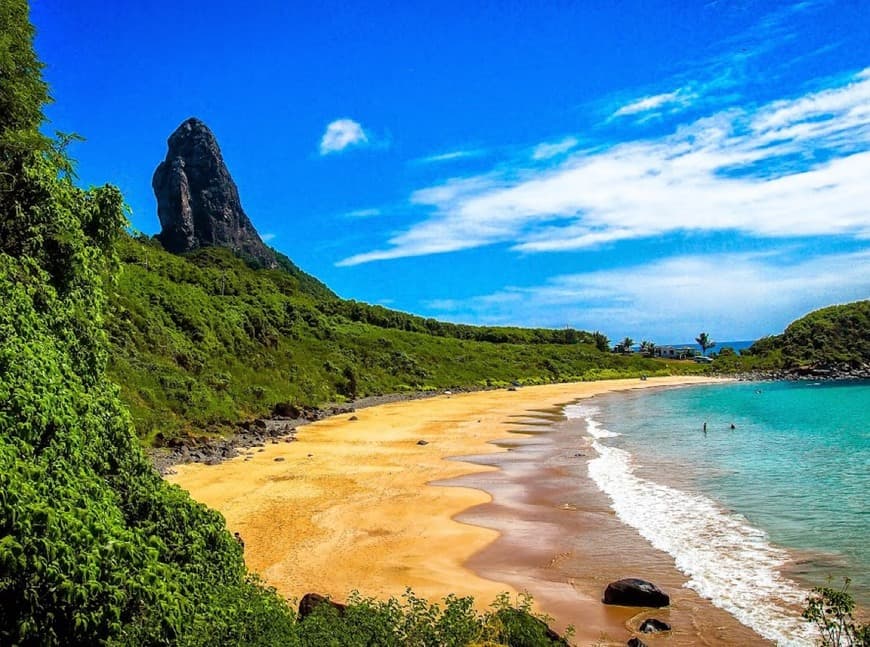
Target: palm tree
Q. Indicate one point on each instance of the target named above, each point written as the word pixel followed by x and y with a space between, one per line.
pixel 626 344
pixel 648 348
pixel 704 342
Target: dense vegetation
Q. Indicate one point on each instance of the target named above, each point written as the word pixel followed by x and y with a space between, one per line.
pixel 836 336
pixel 94 547
pixel 204 340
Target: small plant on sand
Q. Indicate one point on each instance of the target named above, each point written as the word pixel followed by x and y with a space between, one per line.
pixel 830 610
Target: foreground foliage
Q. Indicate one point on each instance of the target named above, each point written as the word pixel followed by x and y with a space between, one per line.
pixel 830 610
pixel 94 547
pixel 413 622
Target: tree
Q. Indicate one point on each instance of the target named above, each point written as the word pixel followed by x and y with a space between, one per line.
pixel 601 342
pixel 831 611
pixel 570 336
pixel 648 348
pixel 23 92
pixel 626 344
pixel 704 342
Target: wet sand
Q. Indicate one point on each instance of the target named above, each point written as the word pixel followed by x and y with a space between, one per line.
pixel 347 507
pixel 561 541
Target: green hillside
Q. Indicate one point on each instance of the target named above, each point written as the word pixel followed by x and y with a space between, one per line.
pixel 836 337
pixel 204 340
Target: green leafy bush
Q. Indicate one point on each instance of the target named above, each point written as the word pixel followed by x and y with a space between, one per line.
pixel 414 622
pixel 830 610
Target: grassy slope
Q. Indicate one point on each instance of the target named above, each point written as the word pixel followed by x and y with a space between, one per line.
pixel 204 341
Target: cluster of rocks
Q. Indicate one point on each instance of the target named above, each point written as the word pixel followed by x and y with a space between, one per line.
pixel 634 592
pixel 814 373
pixel 829 372
pixel 211 451
pixel 249 435
pixel 281 426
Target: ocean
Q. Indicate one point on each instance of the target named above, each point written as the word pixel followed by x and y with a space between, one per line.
pixel 753 515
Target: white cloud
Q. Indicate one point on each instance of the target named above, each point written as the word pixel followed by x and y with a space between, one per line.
pixel 552 149
pixel 792 168
pixel 341 134
pixel 363 213
pixel 675 100
pixel 449 157
pixel 670 300
pixel 267 238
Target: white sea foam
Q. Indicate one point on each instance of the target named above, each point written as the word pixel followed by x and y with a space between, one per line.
pixel 580 410
pixel 587 411
pixel 727 560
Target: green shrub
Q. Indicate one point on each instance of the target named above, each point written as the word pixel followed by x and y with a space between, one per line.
pixel 830 610
pixel 414 622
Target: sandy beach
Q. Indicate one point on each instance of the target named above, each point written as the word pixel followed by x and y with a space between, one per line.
pixel 349 505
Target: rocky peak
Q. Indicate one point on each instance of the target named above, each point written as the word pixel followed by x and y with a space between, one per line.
pixel 198 202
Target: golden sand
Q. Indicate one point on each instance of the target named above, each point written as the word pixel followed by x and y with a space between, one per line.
pixel 350 506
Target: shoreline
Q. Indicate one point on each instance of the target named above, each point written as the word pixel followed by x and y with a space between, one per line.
pixel 366 491
pixel 257 432
pixel 561 540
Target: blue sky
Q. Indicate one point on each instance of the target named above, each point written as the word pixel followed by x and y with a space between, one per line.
pixel 650 169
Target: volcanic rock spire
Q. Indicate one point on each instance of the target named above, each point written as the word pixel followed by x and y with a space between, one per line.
pixel 198 202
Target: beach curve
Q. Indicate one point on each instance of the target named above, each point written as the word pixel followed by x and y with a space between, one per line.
pixel 349 505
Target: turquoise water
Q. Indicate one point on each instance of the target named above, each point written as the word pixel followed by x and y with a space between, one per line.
pixel 757 514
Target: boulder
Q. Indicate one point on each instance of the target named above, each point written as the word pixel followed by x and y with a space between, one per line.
pixel 635 642
pixel 310 601
pixel 653 625
pixel 286 410
pixel 634 592
pixel 197 201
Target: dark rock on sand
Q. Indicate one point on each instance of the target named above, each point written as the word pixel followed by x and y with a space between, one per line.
pixel 197 201
pixel 634 592
pixel 653 625
pixel 310 601
pixel 636 642
pixel 422 442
